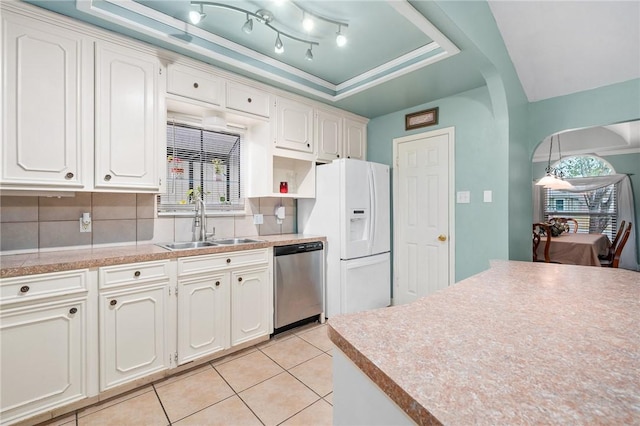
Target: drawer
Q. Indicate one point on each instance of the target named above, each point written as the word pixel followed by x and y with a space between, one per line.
pixel 36 287
pixel 207 263
pixel 195 84
pixel 122 275
pixel 248 99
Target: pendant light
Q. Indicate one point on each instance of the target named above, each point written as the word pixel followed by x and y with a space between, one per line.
pixel 554 178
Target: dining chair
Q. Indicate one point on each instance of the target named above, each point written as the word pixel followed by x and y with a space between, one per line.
pixel 614 253
pixel 612 248
pixel 566 221
pixel 538 230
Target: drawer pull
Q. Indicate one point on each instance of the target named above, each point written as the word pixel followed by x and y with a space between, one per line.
pixel 69 175
pixel 136 274
pixel 228 260
pixel 308 146
pixel 113 302
pixel 24 289
pixel 107 177
pixel 239 279
pixel 73 310
pixel 195 85
pixel 249 100
pixel 217 283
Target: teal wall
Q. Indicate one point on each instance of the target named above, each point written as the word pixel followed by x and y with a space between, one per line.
pixel 476 150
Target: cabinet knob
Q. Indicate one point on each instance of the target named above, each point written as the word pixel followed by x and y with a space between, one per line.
pixel 338 155
pixel 239 279
pixel 195 85
pixel 308 146
pixel 249 100
pixel 113 302
pixel 107 177
pixel 348 156
pixel 24 289
pixel 73 310
pixel 217 283
pixel 136 274
pixel 69 175
pixel 228 260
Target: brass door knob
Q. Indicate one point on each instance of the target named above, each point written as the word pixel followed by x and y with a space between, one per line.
pixel 442 237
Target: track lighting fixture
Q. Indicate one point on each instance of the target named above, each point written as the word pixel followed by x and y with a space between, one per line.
pixel 279 46
pixel 341 40
pixel 307 22
pixel 248 26
pixel 265 17
pixel 196 16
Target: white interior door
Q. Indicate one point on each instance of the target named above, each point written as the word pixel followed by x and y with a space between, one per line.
pixel 423 214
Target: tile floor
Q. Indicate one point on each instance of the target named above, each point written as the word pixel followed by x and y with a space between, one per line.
pixel 284 381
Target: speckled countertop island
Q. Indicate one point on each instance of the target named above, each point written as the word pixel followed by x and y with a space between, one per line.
pixel 521 343
pixel 64 260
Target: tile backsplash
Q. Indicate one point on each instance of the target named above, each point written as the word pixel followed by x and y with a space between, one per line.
pixel 31 223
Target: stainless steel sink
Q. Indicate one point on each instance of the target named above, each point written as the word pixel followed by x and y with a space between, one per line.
pixel 188 245
pixel 230 241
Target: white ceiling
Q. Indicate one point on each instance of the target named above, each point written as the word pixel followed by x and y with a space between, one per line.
pixel 620 138
pixel 563 47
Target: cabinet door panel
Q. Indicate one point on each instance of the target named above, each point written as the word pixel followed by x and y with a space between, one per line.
pixel 251 304
pixel 42 358
pixel 355 139
pixel 42 131
pixel 329 135
pixel 294 129
pixel 127 118
pixel 132 334
pixel 203 316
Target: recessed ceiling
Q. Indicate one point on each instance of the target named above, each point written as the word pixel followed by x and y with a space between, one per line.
pixel 564 47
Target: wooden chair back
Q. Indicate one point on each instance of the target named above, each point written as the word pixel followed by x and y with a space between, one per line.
pixel 536 235
pixel 617 237
pixel 615 260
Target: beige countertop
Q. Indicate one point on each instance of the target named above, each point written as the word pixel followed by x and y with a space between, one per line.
pixel 64 260
pixel 521 343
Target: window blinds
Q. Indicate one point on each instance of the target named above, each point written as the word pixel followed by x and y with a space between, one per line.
pixel 596 211
pixel 206 162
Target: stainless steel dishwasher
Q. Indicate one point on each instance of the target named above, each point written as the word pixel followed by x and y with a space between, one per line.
pixel 299 283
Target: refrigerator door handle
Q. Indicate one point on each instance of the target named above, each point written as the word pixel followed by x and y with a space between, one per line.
pixel 373 205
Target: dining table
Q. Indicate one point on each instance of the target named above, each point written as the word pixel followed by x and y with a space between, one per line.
pixel 576 248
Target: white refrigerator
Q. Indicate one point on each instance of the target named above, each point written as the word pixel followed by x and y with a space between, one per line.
pixel 351 209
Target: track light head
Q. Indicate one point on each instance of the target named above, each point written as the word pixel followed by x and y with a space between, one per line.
pixel 307 22
pixel 248 26
pixel 196 16
pixel 309 55
pixel 341 39
pixel 279 48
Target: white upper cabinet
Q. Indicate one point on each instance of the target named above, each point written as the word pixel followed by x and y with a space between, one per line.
pixel 328 135
pixel 248 99
pixel 355 139
pixel 129 118
pixel 293 126
pixel 45 71
pixel 195 84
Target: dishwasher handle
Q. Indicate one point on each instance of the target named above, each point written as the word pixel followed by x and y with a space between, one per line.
pixel 298 248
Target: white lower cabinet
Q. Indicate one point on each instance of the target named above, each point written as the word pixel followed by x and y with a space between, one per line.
pixel 203 316
pixel 250 302
pixel 43 346
pixel 223 300
pixel 133 322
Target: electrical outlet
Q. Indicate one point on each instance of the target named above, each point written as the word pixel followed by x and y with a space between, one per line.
pixel 463 197
pixel 85 226
pixel 258 219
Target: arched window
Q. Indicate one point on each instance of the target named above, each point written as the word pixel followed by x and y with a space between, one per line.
pixel 596 211
pixel 583 166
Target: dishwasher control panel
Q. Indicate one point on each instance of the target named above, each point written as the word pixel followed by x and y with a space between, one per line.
pixel 298 248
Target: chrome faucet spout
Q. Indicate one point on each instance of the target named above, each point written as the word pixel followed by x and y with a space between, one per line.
pixel 201 218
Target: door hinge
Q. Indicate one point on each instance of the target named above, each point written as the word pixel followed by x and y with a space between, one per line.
pixel 160 70
pixel 175 358
pixel 397 161
pixel 176 293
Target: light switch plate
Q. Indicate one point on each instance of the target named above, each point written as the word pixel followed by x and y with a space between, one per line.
pixel 258 219
pixel 463 197
pixel 488 196
pixel 85 226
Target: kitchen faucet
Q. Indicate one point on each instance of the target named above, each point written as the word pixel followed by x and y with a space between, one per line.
pixel 200 220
